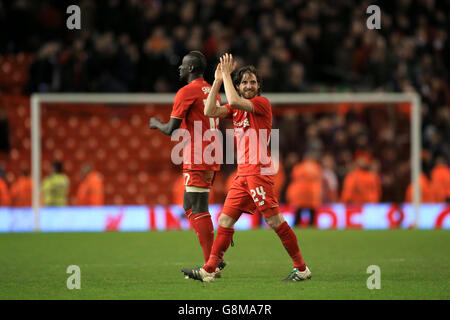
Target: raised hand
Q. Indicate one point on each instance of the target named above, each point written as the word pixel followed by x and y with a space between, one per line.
pixel 154 122
pixel 227 63
pixel 218 73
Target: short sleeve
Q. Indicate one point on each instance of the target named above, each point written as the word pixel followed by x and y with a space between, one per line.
pixel 230 111
pixel 261 105
pixel 181 104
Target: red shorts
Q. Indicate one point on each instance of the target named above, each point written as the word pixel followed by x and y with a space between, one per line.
pixel 248 193
pixel 200 179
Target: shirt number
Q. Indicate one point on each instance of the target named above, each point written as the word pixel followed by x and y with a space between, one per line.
pixel 186 178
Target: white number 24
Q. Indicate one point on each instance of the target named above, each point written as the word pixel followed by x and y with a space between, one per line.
pixel 260 191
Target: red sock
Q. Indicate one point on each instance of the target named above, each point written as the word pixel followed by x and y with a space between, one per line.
pixel 204 229
pixel 189 217
pixel 223 240
pixel 289 241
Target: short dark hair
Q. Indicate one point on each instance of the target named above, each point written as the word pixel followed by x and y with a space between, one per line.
pixel 247 69
pixel 58 166
pixel 198 61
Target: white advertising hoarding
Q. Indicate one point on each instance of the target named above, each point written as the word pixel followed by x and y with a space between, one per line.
pixel 148 218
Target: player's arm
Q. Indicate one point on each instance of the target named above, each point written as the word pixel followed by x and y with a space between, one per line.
pixel 212 109
pixel 166 128
pixel 234 99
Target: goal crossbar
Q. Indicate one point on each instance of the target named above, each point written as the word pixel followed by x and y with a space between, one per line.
pixel 275 98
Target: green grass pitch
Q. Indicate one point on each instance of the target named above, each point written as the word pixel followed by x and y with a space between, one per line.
pixel 414 264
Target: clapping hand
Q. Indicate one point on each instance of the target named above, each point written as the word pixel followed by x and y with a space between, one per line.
pixel 218 73
pixel 227 64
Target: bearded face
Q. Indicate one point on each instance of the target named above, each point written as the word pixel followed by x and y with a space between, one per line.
pixel 249 86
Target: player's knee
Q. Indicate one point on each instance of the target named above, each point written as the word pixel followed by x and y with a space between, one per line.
pixel 226 221
pixel 275 221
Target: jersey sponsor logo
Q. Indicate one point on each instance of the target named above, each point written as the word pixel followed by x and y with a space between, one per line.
pixel 242 124
pixel 206 90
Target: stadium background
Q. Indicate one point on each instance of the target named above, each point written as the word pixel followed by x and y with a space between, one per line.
pixel 298 46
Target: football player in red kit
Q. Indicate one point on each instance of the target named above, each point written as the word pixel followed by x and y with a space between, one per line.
pixel 188 114
pixel 253 186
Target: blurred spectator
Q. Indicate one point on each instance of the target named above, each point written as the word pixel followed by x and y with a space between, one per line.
pixel 440 179
pixel 280 179
pixel 21 190
pixel 290 122
pixel 330 183
pixel 5 199
pixel 55 187
pixel 329 40
pixel 296 79
pixel 136 46
pixel 305 189
pixel 44 71
pixel 90 191
pixel 4 131
pixel 313 142
pixel 73 68
pixel 361 185
pixel 427 190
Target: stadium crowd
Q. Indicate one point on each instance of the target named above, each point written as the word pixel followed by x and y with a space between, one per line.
pixel 297 46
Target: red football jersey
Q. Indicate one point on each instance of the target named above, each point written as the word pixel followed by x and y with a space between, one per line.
pixel 248 143
pixel 189 105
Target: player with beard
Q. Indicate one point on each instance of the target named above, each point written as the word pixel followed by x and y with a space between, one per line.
pixel 198 177
pixel 253 187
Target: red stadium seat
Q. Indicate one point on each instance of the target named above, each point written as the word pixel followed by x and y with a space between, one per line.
pixel 137 121
pixel 123 149
pixel 84 131
pixel 61 132
pixel 10 177
pixel 73 122
pixel 94 122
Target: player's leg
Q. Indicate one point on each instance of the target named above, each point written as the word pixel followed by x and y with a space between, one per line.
pixel 267 204
pixel 298 217
pixel 237 201
pixel 289 240
pixel 204 228
pixel 312 217
pixel 225 232
pixel 223 239
pixel 287 236
pixel 198 184
pixel 201 221
pixel 187 206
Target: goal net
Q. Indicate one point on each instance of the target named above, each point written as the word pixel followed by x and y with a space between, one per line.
pixel 111 132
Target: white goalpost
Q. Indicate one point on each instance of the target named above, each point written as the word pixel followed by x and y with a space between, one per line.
pixel 275 99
